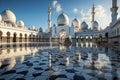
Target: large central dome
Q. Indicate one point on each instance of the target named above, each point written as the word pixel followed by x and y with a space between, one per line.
pixel 8 16
pixel 63 20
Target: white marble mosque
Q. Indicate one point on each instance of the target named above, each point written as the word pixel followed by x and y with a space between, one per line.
pixel 32 54
pixel 12 31
pixel 77 30
pixel 81 32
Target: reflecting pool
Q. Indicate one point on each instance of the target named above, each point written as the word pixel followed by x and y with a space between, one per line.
pixel 39 61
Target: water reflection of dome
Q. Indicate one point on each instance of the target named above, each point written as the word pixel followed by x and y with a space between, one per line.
pixel 12 63
pixel 62 48
pixel 63 20
pixel 8 16
pixel 67 61
pixel 22 58
pixel 33 54
pixel 78 56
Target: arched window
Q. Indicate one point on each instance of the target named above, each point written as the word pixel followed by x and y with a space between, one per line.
pixel 14 37
pixel 20 37
pixel 30 37
pixel 25 37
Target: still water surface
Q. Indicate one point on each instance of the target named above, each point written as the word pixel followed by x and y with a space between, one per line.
pixel 84 61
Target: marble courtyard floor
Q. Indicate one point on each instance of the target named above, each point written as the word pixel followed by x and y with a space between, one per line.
pixel 84 61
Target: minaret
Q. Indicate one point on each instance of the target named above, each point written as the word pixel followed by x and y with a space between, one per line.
pixel 49 16
pixel 93 13
pixel 93 16
pixel 114 10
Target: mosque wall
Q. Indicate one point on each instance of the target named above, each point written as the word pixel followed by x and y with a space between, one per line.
pixel 10 31
pixel 12 34
pixel 115 32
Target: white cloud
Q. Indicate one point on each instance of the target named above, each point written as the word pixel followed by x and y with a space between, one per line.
pixel 54 3
pixel 58 8
pixel 100 11
pixel 86 15
pixel 100 15
pixel 75 10
pixel 57 5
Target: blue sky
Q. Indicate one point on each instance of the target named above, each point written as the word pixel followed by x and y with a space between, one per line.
pixel 34 12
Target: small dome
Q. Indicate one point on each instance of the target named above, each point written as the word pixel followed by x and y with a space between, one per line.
pixel 40 29
pixel 84 26
pixel 32 27
pixel 20 23
pixel 76 23
pixel 0 17
pixel 63 20
pixel 8 16
pixel 95 25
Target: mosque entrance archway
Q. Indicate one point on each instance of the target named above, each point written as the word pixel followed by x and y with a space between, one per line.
pixel 8 36
pixel 62 35
pixel 14 37
pixel 1 36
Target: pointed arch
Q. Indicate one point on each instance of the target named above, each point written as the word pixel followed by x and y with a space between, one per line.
pixel 8 36
pixel 21 37
pixel 25 37
pixel 14 37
